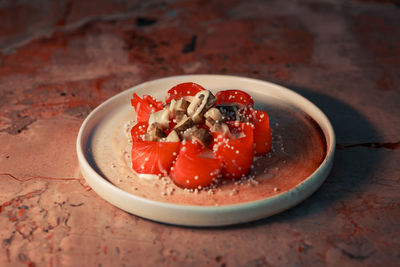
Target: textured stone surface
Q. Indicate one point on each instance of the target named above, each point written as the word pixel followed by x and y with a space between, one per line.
pixel 60 59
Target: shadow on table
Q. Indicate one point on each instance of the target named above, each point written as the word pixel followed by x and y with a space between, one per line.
pixel 351 167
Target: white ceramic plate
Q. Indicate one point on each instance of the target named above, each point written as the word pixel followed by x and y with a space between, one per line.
pixel 190 215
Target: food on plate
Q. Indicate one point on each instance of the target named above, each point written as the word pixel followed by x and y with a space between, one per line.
pixel 197 138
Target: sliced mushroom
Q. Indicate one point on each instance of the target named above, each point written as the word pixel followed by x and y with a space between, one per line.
pixel 199 134
pixel 203 136
pixel 177 109
pixel 148 137
pixel 201 102
pixel 172 137
pixel 212 116
pixel 182 105
pixel 154 132
pixel 221 127
pixel 168 105
pixel 179 115
pixel 188 98
pixel 186 134
pixel 161 117
pixel 184 124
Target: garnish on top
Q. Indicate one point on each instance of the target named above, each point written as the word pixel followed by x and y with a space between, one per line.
pixel 196 137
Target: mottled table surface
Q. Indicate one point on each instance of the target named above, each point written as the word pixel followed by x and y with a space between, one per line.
pixel 61 59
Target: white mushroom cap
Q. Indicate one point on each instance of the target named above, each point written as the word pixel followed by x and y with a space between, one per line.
pixel 201 102
pixel 161 117
pixel 212 116
pixel 172 137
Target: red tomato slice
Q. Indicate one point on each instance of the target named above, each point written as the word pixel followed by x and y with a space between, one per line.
pixel 158 105
pixel 195 166
pixel 138 130
pixel 144 106
pixel 262 133
pixel 183 89
pixel 154 157
pixel 236 154
pixel 234 97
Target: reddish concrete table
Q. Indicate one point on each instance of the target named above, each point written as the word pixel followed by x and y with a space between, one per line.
pixel 60 59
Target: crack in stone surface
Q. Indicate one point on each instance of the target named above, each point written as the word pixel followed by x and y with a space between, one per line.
pixel 19 198
pixel 81 181
pixel 388 145
pixel 48 229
